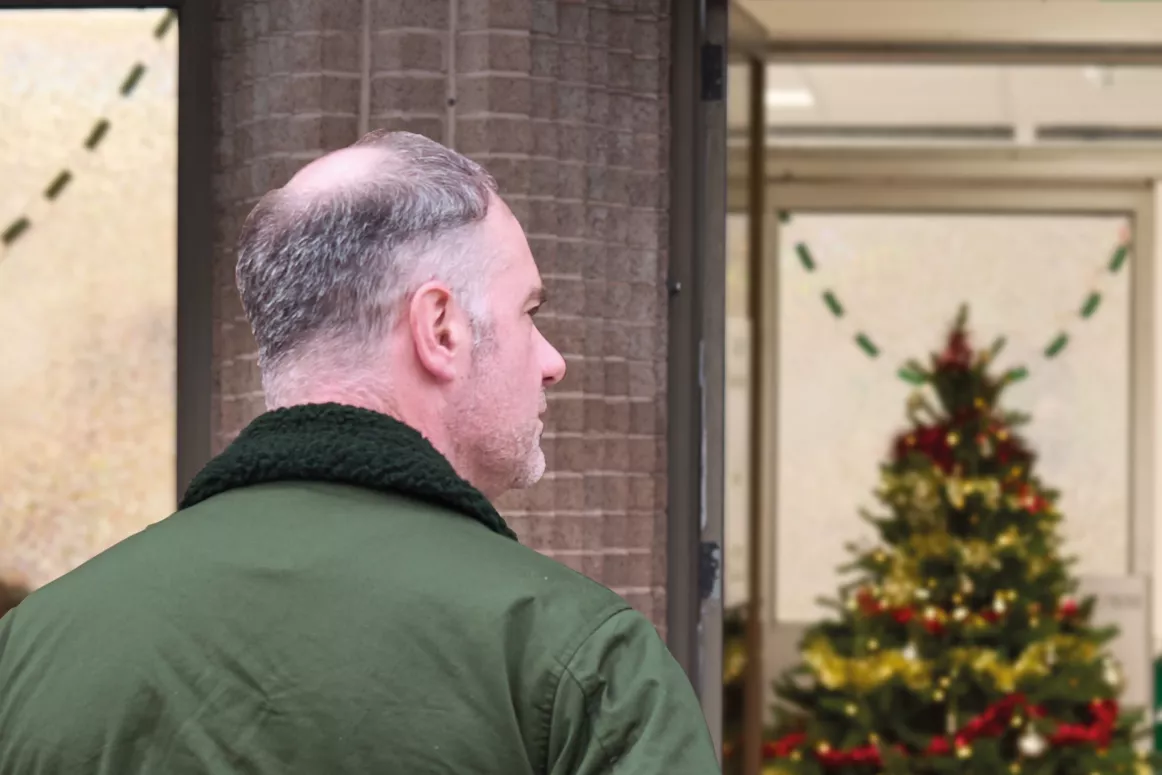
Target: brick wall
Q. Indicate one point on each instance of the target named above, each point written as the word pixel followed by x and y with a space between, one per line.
pixel 565 102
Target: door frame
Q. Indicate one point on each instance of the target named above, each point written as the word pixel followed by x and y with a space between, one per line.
pixel 695 359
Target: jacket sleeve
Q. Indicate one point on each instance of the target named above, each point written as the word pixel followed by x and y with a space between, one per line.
pixel 623 705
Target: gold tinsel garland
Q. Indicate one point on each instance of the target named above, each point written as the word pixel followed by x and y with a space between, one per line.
pixel 920 490
pixel 869 672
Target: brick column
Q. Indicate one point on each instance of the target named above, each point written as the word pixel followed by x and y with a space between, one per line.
pixel 565 102
pixel 287 89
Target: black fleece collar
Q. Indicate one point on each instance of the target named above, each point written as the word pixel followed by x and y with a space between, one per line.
pixel 344 445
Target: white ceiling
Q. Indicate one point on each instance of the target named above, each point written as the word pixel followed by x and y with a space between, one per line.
pixel 891 96
pixel 956 95
pixel 1106 22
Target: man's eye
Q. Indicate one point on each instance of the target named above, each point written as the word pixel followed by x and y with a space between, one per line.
pixel 533 312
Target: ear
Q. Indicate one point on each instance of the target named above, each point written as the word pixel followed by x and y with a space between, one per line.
pixel 439 330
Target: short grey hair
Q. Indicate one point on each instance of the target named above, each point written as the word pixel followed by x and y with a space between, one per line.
pixel 336 267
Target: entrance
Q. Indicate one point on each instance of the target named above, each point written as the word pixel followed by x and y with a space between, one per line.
pixel 851 241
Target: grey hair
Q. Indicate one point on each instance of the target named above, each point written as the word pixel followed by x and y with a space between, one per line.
pixel 334 268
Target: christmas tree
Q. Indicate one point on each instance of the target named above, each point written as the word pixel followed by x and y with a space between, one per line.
pixel 958 647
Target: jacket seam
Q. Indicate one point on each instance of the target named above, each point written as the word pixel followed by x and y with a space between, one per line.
pixel 590 718
pixel 563 661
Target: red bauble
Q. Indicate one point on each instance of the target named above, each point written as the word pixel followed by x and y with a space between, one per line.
pixel 1031 500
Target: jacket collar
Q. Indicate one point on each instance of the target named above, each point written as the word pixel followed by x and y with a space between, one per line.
pixel 343 445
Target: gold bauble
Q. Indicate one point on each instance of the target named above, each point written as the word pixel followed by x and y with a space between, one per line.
pixel 938 695
pixel 964 751
pixel 953 439
pixel 872 644
pixel 850 709
pixel 960 613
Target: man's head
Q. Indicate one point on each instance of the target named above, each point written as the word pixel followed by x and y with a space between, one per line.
pixel 390 275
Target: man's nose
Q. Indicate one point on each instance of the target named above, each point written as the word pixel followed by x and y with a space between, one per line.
pixel 554 367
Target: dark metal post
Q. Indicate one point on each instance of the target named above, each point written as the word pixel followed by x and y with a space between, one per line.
pixel 195 239
pixel 754 692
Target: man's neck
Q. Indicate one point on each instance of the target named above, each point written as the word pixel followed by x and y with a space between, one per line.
pixel 421 416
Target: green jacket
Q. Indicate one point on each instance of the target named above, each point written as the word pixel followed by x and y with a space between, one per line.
pixel 330 599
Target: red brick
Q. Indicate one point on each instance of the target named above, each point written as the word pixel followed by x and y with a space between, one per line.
pixel 409 51
pixel 493 51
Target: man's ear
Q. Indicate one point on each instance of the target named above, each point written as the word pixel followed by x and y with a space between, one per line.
pixel 439 330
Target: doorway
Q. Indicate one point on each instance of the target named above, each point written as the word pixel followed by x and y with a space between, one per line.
pixel 836 230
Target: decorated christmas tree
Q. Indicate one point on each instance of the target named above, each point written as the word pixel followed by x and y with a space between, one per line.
pixel 958 645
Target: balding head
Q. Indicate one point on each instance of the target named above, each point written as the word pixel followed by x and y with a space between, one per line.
pixel 325 262
pixel 345 167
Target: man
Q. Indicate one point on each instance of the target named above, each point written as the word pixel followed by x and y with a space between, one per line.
pixel 336 593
